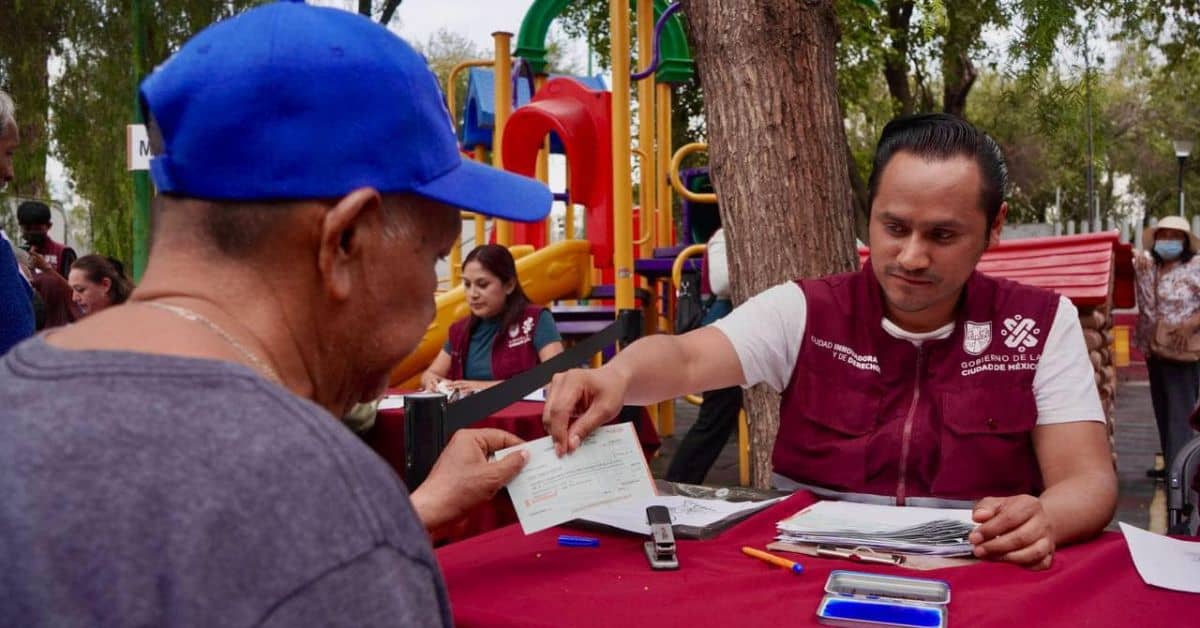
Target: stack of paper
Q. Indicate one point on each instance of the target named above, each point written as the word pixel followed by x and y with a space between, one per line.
pixel 907 530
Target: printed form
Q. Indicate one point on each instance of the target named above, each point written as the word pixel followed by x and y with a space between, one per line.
pixel 608 468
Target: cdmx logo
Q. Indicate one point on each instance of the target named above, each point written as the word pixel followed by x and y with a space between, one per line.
pixel 1020 333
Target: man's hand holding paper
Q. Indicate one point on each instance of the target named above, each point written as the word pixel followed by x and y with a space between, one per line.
pixel 607 468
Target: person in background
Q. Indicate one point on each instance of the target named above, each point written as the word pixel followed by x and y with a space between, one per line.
pixel 16 305
pixel 34 218
pixel 98 282
pixel 503 336
pixel 719 411
pixel 53 299
pixel 1168 294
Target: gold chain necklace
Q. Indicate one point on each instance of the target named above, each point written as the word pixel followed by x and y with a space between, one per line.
pixel 196 317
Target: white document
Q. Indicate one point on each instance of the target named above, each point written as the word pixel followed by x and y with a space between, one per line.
pixel 537 395
pixel 392 402
pixel 608 468
pixel 1163 561
pixel 687 511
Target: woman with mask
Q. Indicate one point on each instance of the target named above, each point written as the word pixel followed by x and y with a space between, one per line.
pixel 1168 327
pixel 98 282
pixel 504 335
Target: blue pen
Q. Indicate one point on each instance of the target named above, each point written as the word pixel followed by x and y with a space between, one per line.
pixel 566 540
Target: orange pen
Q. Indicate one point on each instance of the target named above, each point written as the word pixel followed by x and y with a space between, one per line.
pixel 778 561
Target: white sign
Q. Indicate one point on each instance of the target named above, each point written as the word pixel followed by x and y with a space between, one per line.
pixel 137 147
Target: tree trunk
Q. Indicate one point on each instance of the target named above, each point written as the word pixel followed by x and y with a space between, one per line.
pixel 964 24
pixel 777 152
pixel 859 196
pixel 958 76
pixel 895 69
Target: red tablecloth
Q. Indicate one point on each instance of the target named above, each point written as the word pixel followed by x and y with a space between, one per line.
pixel 523 418
pixel 504 578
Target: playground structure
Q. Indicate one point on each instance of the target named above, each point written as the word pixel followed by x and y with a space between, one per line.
pixel 520 114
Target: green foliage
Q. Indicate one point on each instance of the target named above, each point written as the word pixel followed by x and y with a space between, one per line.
pixel 86 109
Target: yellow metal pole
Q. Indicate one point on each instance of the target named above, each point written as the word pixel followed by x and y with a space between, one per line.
pixel 677 181
pixel 503 81
pixel 622 200
pixel 666 210
pixel 569 227
pixel 451 106
pixel 480 221
pixel 543 160
pixel 456 258
pixel 743 449
pixel 646 112
pixel 665 231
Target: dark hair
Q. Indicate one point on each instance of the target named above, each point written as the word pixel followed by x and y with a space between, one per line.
pixel 33 213
pixel 97 268
pixel 498 261
pixel 942 136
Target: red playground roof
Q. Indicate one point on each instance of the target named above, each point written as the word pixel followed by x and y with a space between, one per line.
pixel 1079 267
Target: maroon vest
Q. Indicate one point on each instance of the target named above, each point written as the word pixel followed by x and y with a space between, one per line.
pixel 866 412
pixel 512 353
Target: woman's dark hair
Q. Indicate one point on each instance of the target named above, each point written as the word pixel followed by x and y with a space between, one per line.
pixel 1184 257
pixel 498 261
pixel 942 136
pixel 97 268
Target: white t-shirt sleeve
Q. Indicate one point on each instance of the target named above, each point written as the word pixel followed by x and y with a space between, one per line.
pixel 1064 384
pixel 766 331
pixel 718 265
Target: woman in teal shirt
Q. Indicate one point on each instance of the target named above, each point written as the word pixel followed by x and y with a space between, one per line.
pixel 504 335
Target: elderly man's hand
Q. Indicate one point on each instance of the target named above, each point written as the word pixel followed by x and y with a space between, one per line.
pixel 593 395
pixel 463 477
pixel 1015 530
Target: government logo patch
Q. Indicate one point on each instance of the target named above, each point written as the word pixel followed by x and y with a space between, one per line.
pixel 1020 333
pixel 977 337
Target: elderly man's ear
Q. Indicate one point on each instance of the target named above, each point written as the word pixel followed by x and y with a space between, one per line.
pixel 341 241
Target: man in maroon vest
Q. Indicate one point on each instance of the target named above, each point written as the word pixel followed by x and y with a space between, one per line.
pixel 915 381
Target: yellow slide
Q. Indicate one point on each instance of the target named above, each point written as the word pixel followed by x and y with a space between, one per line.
pixel 562 270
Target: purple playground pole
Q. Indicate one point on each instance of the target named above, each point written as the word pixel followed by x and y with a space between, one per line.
pixel 658 29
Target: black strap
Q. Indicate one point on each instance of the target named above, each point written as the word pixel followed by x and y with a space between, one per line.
pixel 476 407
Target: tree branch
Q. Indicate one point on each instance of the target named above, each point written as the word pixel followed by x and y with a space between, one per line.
pixel 389 10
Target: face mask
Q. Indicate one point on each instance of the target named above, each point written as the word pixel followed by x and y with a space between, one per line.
pixel 1169 249
pixel 35 239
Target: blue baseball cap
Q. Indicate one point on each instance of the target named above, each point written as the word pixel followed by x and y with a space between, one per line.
pixel 290 101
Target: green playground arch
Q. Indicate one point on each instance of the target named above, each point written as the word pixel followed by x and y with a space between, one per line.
pixel 675 62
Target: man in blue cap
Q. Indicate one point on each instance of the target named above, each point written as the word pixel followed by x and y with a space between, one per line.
pixel 185 466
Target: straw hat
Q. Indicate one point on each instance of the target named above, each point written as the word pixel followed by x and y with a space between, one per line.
pixel 1177 223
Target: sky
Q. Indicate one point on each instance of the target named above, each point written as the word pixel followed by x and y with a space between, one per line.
pixel 416 20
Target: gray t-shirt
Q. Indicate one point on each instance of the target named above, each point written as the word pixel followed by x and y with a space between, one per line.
pixel 147 490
